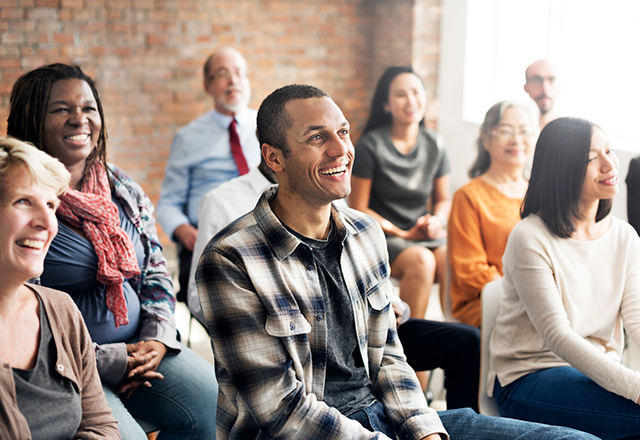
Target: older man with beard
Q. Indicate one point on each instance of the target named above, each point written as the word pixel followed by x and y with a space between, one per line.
pixel 208 151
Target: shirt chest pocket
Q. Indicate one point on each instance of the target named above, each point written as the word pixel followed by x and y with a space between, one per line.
pixel 377 299
pixel 281 326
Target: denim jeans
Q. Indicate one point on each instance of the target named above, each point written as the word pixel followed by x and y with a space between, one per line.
pixel 564 396
pixel 374 418
pixel 466 424
pixel 183 404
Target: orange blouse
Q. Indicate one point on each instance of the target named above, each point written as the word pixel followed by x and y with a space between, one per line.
pixel 479 225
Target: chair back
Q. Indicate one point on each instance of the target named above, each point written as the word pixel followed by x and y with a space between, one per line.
pixel 490 297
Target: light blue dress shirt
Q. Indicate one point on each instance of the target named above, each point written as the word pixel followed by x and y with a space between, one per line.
pixel 200 160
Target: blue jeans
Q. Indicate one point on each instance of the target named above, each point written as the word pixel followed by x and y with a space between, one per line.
pixel 183 404
pixel 466 424
pixel 564 396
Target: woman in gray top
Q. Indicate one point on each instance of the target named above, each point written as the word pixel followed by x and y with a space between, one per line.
pixel 49 384
pixel 400 170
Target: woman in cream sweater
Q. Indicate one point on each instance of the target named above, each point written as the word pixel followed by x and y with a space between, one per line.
pixel 571 284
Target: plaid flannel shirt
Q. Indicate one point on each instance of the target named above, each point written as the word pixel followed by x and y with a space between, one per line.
pixel 261 297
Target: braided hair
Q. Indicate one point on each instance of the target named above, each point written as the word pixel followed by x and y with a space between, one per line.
pixel 29 100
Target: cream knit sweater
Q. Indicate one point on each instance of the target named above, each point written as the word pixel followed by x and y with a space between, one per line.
pixel 564 302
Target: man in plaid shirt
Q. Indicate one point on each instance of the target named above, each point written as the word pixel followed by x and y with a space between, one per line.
pixel 296 298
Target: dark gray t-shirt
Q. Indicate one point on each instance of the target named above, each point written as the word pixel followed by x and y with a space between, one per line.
pixel 50 403
pixel 347 386
pixel 401 184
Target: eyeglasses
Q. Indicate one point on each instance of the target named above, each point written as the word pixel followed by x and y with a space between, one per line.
pixel 226 75
pixel 506 134
pixel 539 80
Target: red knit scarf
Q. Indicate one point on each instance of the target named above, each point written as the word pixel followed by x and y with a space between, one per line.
pixel 92 210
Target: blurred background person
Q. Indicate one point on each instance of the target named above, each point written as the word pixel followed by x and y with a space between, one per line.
pixel 401 178
pixel 50 384
pixel 485 210
pixel 571 286
pixel 542 86
pixel 210 150
pixel 633 193
pixel 108 258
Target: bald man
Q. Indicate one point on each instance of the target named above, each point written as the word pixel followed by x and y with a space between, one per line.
pixel 543 88
pixel 210 150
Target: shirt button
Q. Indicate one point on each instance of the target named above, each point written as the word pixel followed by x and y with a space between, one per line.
pixel 310 267
pixel 292 327
pixel 60 368
pixel 319 317
pixel 320 364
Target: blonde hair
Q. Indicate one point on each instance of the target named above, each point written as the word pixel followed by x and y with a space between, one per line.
pixel 43 169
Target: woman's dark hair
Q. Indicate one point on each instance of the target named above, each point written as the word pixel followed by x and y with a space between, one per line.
pixel 558 172
pixel 378 117
pixel 491 120
pixel 29 99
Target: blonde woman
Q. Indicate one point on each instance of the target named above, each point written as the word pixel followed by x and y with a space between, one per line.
pixel 48 376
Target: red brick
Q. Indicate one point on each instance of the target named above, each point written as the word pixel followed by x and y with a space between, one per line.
pixel 49 51
pixel 72 4
pixel 11 37
pixel 49 3
pixel 63 38
pixel 5 87
pixel 156 40
pixel 143 4
pixel 8 13
pixel 97 50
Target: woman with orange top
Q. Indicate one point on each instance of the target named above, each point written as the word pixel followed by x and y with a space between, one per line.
pixel 485 210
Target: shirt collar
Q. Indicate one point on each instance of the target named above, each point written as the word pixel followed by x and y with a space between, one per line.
pixel 280 239
pixel 224 121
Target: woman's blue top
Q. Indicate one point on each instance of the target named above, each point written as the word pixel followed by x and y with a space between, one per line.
pixel 71 265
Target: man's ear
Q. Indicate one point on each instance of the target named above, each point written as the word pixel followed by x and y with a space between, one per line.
pixel 273 157
pixel 526 88
pixel 206 82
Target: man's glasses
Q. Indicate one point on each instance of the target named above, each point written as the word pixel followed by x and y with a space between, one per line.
pixel 539 80
pixel 226 75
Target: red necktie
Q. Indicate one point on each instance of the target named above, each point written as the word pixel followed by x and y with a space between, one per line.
pixel 236 149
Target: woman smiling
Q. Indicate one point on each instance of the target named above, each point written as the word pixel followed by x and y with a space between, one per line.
pixel 486 209
pixel 401 178
pixel 571 285
pixel 49 383
pixel 108 258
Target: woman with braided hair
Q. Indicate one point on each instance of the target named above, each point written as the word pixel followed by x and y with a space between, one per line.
pixel 107 257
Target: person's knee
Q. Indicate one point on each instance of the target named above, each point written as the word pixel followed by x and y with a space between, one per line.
pixel 419 262
pixel 468 340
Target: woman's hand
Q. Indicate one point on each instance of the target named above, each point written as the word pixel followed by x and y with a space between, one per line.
pixel 432 226
pixel 142 362
pixel 427 227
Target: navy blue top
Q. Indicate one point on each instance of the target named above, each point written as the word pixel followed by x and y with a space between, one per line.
pixel 71 265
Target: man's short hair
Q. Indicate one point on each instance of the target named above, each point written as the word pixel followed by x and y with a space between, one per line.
pixel 274 121
pixel 207 65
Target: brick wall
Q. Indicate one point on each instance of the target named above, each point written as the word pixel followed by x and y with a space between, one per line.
pixel 146 57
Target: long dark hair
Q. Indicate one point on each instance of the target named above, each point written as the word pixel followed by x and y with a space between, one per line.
pixel 557 175
pixel 29 99
pixel 491 119
pixel 378 117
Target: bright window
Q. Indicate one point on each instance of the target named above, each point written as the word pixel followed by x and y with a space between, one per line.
pixel 595 44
